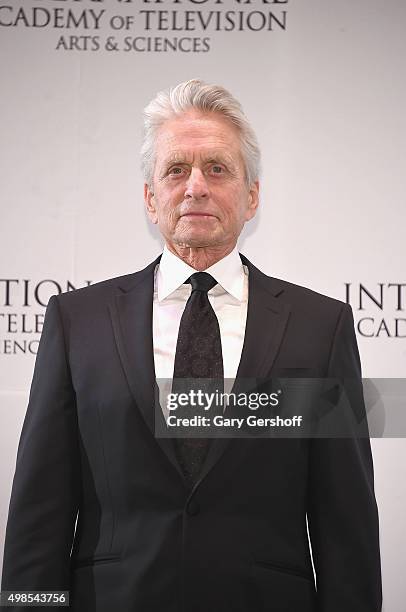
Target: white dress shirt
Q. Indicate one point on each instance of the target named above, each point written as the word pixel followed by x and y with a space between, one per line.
pixel 229 299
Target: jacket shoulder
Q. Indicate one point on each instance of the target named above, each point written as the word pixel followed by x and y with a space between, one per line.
pixel 306 297
pixel 102 291
pixel 297 296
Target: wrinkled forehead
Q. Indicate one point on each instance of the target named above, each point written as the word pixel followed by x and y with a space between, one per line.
pixel 193 135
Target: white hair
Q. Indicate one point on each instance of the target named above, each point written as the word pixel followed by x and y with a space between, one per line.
pixel 196 94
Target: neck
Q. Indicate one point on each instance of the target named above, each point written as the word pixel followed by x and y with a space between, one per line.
pixel 200 258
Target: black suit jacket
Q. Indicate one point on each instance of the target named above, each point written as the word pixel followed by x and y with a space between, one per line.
pixel 144 543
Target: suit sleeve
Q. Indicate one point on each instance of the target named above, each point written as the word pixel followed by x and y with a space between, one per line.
pixel 342 510
pixel 46 486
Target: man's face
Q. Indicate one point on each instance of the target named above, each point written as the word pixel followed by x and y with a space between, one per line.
pixel 199 196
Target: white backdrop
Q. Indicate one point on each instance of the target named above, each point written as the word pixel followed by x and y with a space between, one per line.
pixel 324 88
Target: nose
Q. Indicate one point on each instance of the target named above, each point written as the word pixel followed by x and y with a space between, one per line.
pixel 196 186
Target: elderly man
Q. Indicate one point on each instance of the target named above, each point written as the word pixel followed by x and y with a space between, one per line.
pixel 192 524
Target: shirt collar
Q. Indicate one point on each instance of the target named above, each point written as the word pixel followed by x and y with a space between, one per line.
pixel 173 272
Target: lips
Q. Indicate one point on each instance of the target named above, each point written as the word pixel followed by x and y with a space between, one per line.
pixel 197 214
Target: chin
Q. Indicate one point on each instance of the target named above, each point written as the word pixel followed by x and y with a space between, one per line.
pixel 197 240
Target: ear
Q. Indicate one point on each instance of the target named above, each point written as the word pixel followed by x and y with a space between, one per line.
pixel 149 200
pixel 253 201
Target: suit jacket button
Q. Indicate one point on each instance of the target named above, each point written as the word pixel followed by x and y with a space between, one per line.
pixel 193 508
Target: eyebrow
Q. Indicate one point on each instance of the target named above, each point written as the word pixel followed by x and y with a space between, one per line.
pixel 210 158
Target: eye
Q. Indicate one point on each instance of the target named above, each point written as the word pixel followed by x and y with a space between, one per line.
pixel 217 169
pixel 176 171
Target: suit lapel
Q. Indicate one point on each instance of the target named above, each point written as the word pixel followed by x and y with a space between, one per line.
pixel 131 314
pixel 267 318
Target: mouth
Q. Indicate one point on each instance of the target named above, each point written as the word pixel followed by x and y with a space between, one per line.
pixel 198 214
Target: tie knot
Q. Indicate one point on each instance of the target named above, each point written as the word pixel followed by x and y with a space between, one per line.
pixel 201 281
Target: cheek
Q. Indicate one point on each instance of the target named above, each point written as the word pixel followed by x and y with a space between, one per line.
pixel 170 197
pixel 233 206
pixel 167 209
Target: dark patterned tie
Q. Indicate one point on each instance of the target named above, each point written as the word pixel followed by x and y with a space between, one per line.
pixel 198 356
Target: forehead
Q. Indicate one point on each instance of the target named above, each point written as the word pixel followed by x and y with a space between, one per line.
pixel 195 134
